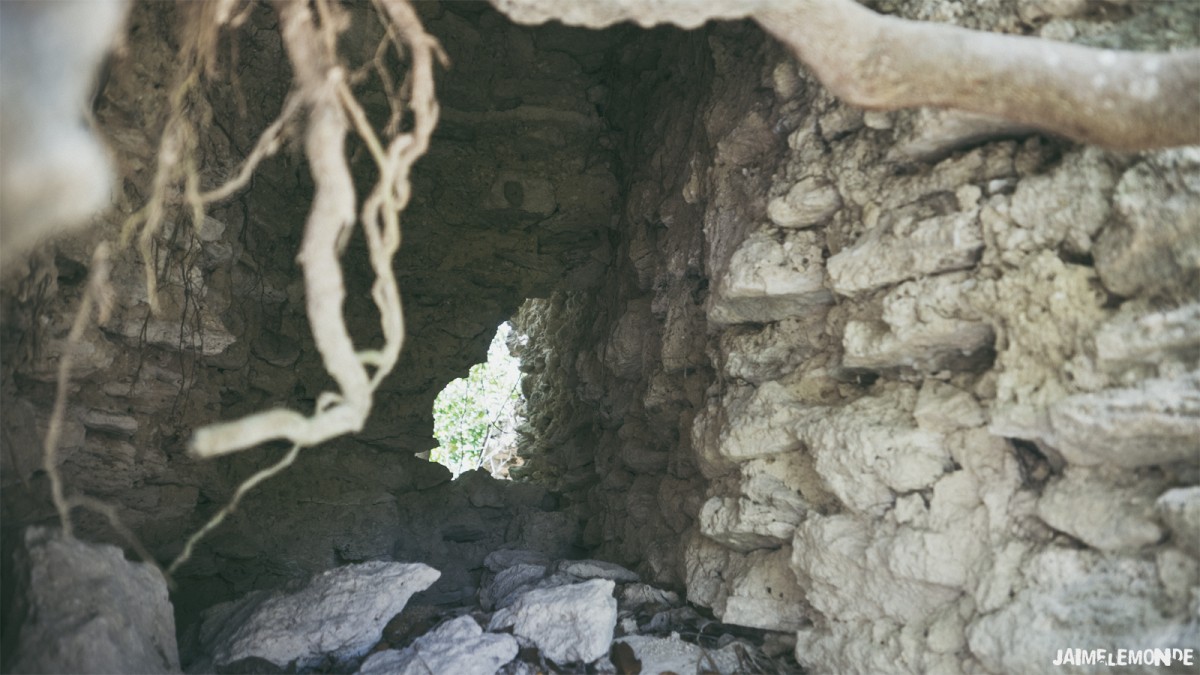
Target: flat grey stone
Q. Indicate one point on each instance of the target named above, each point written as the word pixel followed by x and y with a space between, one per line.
pixel 568 623
pixel 338 614
pixel 83 608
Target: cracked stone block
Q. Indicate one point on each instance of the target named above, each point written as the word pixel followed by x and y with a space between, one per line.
pixel 771 278
pixel 1076 597
pixel 1157 422
pixel 808 202
pixel 907 251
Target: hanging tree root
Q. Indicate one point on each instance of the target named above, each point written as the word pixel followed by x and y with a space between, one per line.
pixel 1120 100
pixel 323 90
pixel 322 87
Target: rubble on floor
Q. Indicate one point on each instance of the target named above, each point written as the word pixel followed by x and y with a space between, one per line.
pixel 547 616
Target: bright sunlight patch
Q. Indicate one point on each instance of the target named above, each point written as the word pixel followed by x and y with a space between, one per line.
pixel 475 417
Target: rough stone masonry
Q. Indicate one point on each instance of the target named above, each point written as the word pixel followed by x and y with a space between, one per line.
pixel 917 391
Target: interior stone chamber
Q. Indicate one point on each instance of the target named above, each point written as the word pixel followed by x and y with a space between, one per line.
pixel 914 389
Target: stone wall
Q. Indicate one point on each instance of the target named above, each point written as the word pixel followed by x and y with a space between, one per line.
pixel 917 386
pixel 919 389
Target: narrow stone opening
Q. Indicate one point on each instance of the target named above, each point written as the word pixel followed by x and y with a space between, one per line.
pixel 475 417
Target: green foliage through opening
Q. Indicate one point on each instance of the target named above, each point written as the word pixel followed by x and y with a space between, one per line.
pixel 474 418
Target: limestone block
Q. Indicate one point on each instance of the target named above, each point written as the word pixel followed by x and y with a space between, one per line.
pixel 771 278
pixel 110 422
pixel 948 545
pixel 1155 243
pixel 772 497
pixel 1151 337
pixel 458 646
pixel 93 354
pixel 638 595
pixel 597 569
pixel 631 339
pixel 1077 597
pixel 929 134
pixel 672 655
pixel 872 647
pixel 338 615
pixel 747 142
pixel 943 408
pixel 745 525
pixel 772 351
pixel 755 589
pixel 682 345
pixel 210 339
pixel 1179 573
pixel 838 120
pixel 844 564
pixel 1049 311
pixel 554 532
pixel 1157 422
pixel 504 589
pixel 927 324
pixel 568 624
pixel 83 608
pixel 760 425
pixel 1180 511
pixel 871 448
pixel 105 465
pixel 1035 10
pixel 906 251
pixel 763 593
pixel 808 202
pixel 1105 509
pixel 705 562
pixel 637 448
pixel 1067 206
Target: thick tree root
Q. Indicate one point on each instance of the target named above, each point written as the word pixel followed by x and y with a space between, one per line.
pixel 1120 100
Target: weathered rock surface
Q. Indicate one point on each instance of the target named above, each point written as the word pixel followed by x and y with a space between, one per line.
pixel 83 608
pixel 1105 511
pixel 457 646
pixel 336 617
pixel 665 655
pixel 1157 422
pixel 568 624
pixel 1180 510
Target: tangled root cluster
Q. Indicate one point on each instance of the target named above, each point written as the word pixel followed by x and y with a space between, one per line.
pixel 322 100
